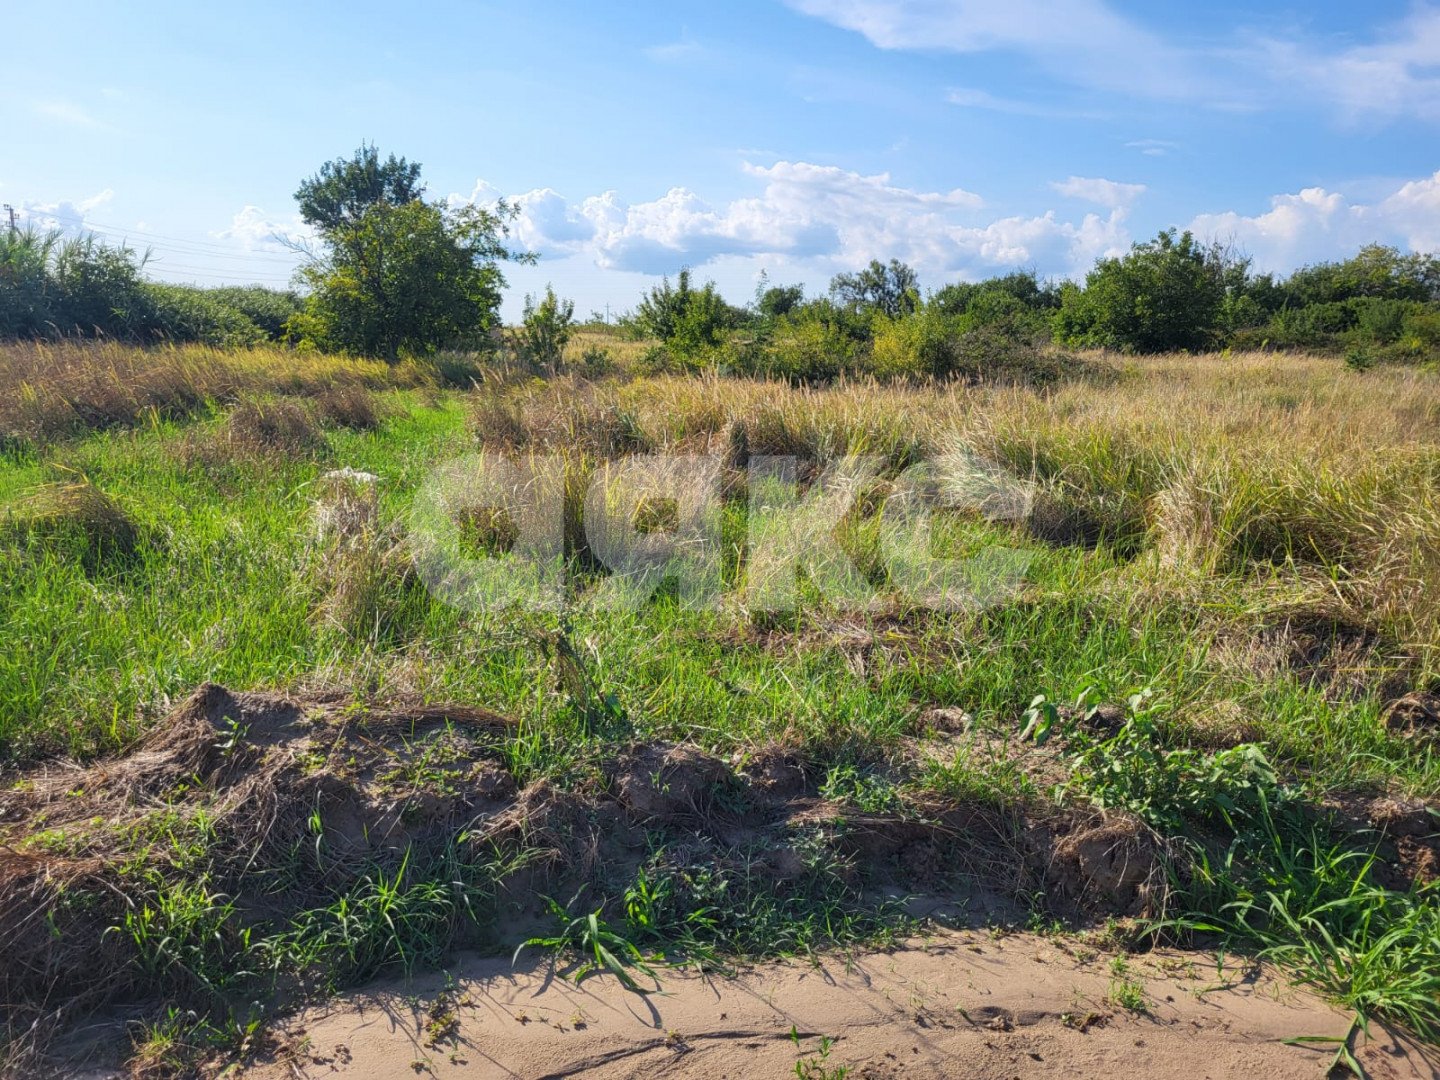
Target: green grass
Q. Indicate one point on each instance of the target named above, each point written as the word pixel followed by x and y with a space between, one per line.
pixel 225 579
pixel 223 591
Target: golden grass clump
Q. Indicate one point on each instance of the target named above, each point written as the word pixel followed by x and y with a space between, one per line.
pixel 349 406
pixel 274 425
pixel 78 510
pixel 363 567
pixel 1276 466
pixel 50 390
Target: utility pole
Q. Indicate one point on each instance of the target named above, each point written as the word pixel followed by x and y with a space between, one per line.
pixel 11 211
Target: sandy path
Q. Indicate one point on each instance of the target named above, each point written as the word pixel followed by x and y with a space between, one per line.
pixel 956 1005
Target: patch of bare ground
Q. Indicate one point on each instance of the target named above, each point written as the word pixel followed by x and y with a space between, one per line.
pixel 298 798
pixel 315 791
pixel 956 1004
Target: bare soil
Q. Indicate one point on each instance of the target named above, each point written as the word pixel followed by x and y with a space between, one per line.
pixel 957 1004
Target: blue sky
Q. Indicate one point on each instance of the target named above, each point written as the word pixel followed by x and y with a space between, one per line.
pixel 798 137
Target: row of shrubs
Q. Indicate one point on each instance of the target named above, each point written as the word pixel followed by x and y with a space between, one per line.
pixel 53 286
pixel 1171 293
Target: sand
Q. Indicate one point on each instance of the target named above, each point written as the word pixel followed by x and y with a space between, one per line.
pixel 957 1004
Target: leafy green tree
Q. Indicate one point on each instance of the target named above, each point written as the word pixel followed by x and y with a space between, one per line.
pixel 395 273
pixel 778 300
pixel 340 193
pixel 687 319
pixel 1169 293
pixel 892 290
pixel 545 329
pixel 411 277
pixel 1375 271
pixel 1022 286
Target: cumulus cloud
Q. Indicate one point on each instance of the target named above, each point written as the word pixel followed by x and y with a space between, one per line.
pixel 815 216
pixel 252 229
pixel 1315 224
pixel 66 215
pixel 1094 189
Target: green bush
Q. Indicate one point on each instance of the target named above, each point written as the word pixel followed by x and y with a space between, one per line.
pixel 807 347
pixel 26 296
pixel 98 290
pixel 1375 271
pixel 687 320
pixel 1166 294
pixel 916 346
pixel 545 330
pixel 185 313
pixel 269 309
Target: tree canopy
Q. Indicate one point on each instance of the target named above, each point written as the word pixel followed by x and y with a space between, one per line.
pixel 345 188
pixel 397 274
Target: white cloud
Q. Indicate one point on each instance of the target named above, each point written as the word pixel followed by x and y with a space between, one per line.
pixel 973 98
pixel 65 112
pixel 820 218
pixel 1094 189
pixel 1414 210
pixel 1084 40
pixel 253 230
pixel 1396 75
pixel 66 215
pixel 1315 224
pixel 1090 44
pixel 1152 147
pixel 675 52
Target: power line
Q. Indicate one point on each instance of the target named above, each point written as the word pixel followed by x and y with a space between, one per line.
pixel 212 271
pixel 196 249
pixel 146 233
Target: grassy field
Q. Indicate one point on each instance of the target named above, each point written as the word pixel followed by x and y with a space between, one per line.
pixel 1233 574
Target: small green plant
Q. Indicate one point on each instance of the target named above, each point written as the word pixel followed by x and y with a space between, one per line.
pixel 1359 358
pixel 817 1067
pixel 1127 994
pixel 867 791
pixel 1041 718
pixel 1132 770
pixel 602 948
pixel 545 329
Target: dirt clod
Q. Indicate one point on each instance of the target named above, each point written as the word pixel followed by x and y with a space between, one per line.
pixel 1415 716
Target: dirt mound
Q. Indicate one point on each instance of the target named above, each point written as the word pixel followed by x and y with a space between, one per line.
pixel 1104 862
pixel 671 782
pixel 264 811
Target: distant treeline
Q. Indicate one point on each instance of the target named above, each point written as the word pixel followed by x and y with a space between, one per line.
pixel 370 294
pixel 1171 293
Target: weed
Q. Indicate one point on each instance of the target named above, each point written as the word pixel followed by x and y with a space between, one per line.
pixel 1127 994
pixel 600 946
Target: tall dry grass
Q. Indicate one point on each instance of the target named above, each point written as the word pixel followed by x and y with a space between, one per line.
pixel 1286 467
pixel 49 390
